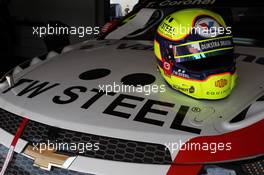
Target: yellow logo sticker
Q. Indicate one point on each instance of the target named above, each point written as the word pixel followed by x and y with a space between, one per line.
pixel 221 83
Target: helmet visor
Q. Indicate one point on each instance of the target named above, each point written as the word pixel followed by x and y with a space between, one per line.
pixel 202 68
pixel 202 49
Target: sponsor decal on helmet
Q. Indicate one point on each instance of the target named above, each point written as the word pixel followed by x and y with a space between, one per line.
pixel 188 89
pixel 167 68
pixel 214 93
pixel 221 83
pixel 168 29
pixel 181 73
pixel 192 89
pixel 207 27
pixel 216 44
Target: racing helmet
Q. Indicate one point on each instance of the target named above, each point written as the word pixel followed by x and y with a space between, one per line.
pixel 195 53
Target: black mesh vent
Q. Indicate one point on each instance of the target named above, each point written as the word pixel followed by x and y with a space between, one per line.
pixel 253 166
pixel 110 148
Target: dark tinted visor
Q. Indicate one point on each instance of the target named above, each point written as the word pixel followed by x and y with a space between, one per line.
pixel 210 64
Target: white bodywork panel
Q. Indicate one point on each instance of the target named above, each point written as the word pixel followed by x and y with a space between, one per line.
pixel 213 119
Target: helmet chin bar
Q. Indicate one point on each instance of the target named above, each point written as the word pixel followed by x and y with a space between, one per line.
pixel 215 87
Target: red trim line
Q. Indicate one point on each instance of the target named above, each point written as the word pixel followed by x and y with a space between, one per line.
pixel 184 169
pixel 245 143
pixel 10 153
pixel 20 130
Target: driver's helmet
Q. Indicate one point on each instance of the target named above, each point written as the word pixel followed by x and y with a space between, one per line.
pixel 194 50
